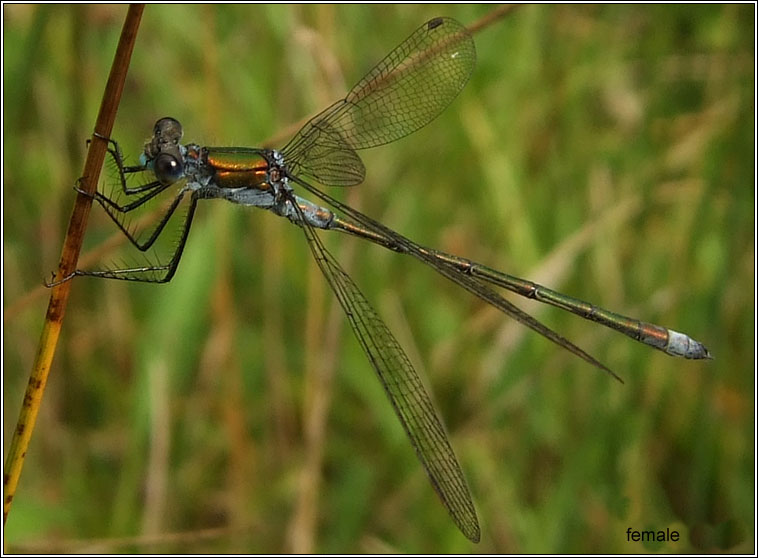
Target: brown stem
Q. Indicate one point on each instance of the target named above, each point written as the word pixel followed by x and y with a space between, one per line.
pixel 71 247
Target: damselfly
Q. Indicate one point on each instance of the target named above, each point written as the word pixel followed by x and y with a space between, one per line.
pixel 410 87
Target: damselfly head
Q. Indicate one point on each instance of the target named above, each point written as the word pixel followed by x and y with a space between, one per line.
pixel 170 129
pixel 167 133
pixel 162 152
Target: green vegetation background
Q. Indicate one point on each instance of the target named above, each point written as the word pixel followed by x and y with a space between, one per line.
pixel 607 152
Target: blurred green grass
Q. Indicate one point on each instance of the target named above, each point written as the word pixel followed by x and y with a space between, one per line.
pixel 607 152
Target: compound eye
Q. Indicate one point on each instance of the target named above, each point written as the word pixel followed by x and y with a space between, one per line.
pixel 168 169
pixel 168 129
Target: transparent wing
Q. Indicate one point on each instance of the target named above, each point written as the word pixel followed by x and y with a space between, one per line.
pixel 410 87
pixel 447 266
pixel 406 392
